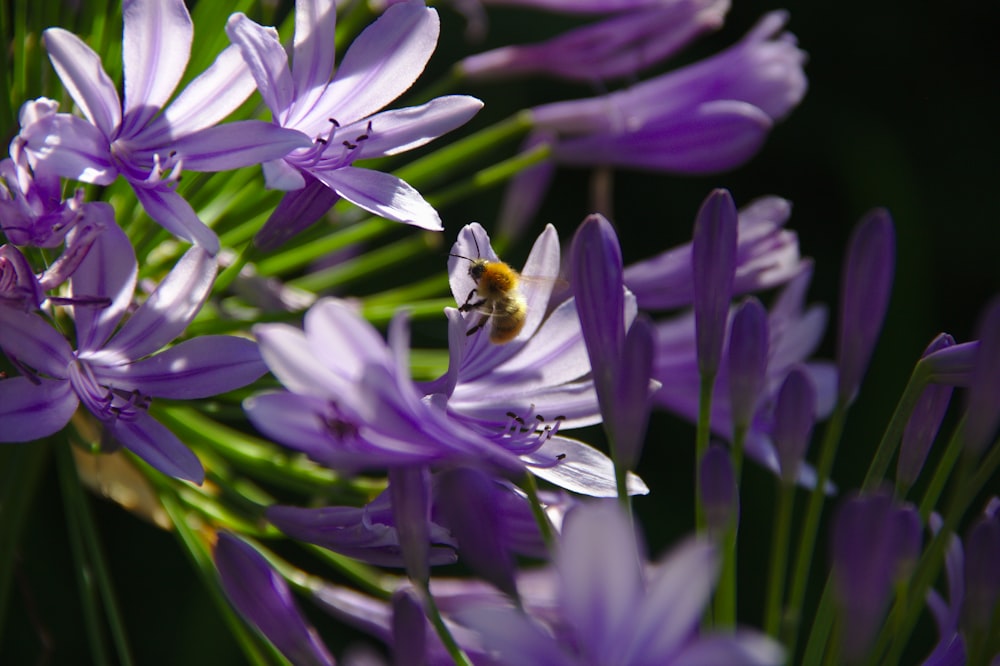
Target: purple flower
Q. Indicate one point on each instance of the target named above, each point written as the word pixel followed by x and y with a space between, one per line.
pixel 875 542
pixel 340 115
pixel 611 609
pixel 116 374
pixel 794 416
pixel 983 398
pixel 748 349
pixel 767 255
pixel 713 264
pixel 143 139
pixel 611 48
pixel 709 116
pixel 923 424
pixel 263 598
pixel 522 393
pixel 864 297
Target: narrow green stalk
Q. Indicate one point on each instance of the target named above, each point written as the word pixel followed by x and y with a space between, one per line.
pixel 366 577
pixel 724 602
pixel 541 519
pixel 701 445
pixel 823 622
pixel 942 472
pixel 490 176
pixel 22 466
pixel 247 255
pixel 894 430
pixel 381 313
pixel 434 285
pixel 434 615
pixel 810 528
pixel 779 557
pixel 294 258
pixel 371 262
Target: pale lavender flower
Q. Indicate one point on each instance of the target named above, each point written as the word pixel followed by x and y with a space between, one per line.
pixel 611 609
pixel 923 424
pixel 866 284
pixel 710 116
pixel 134 139
pixel 341 116
pixel 618 46
pixel 578 6
pixel 523 393
pixel 713 264
pixel 875 544
pixel 262 597
pixel 116 374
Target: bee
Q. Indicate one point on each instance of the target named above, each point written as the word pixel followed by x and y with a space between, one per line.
pixel 496 296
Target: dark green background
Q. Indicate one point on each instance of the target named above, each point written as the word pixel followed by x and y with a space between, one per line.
pixel 901 113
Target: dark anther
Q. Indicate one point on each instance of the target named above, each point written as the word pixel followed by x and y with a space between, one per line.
pixel 561 456
pixel 334 122
pixel 321 140
pixel 349 145
pixel 559 418
pixel 361 137
pixel 539 418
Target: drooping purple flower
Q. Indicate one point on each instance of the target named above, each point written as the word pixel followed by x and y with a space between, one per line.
pixel 116 374
pixel 952 365
pixel 748 350
pixel 262 597
pixel 982 577
pixel 710 116
pixel 923 424
pixel 875 541
pixel 794 416
pixel 864 297
pixel 618 46
pixel 341 116
pixel 713 264
pixel 767 256
pixel 613 610
pixel 719 494
pixel 983 397
pixel 523 393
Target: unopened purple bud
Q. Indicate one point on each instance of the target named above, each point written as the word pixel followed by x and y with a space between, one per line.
pixel 719 494
pixel 597 276
pixel 748 347
pixel 864 297
pixel 713 264
pixel 983 403
pixel 409 629
pixel 468 502
pixel 952 365
pixel 875 543
pixel 925 421
pixel 794 417
pixel 982 573
pixel 632 395
pixel 409 488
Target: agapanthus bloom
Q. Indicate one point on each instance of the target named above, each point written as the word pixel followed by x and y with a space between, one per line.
pixel 143 139
pixel 340 116
pixel 613 610
pixel 115 374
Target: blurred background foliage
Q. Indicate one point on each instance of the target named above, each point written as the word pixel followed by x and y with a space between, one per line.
pixel 901 113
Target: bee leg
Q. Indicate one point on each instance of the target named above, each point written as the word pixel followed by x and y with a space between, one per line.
pixel 469 305
pixel 482 322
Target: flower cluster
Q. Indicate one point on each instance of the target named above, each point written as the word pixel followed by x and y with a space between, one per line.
pixel 451 453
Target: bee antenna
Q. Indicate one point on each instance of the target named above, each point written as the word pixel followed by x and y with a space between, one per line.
pixel 459 256
pixel 479 252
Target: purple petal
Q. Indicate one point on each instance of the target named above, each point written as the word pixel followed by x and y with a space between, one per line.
pixel 313 49
pixel 156 46
pixel 524 194
pixel 409 627
pixel 82 73
pixel 197 368
pixel 31 340
pixel 343 340
pixel 748 348
pixel 513 636
pixel 983 397
pixel 677 594
pixel 400 130
pixel 719 494
pixel 601 585
pixel 296 211
pixel 713 264
pixel 794 416
pixel 167 311
pixel 268 63
pixel 743 648
pixel 176 215
pixel 287 354
pixel 236 145
pixel 924 422
pixel 410 492
pixel 631 401
pixel 380 65
pixel 206 101
pixel 108 271
pixel 31 411
pixel 382 194
pixel 263 598
pixel 297 422
pixel 579 468
pixel 72 148
pixel 153 442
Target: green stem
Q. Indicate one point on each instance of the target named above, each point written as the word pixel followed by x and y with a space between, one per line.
pixel 724 603
pixel 372 261
pixel 701 445
pixel 823 622
pixel 247 255
pixel 530 487
pixel 942 472
pixel 894 430
pixel 434 615
pixel 491 176
pixel 294 258
pixel 779 557
pixel 810 528
pixel 381 313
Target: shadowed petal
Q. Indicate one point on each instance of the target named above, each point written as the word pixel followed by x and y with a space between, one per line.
pixel 287 354
pixel 108 271
pixel 297 422
pixel 167 311
pixel 156 45
pixel 32 340
pixel 296 210
pixel 31 411
pixel 263 598
pixel 238 144
pixel 153 442
pixel 740 649
pixel 81 72
pixel 514 637
pixel 382 194
pixel 195 368
pixel 176 215
pixel 381 64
